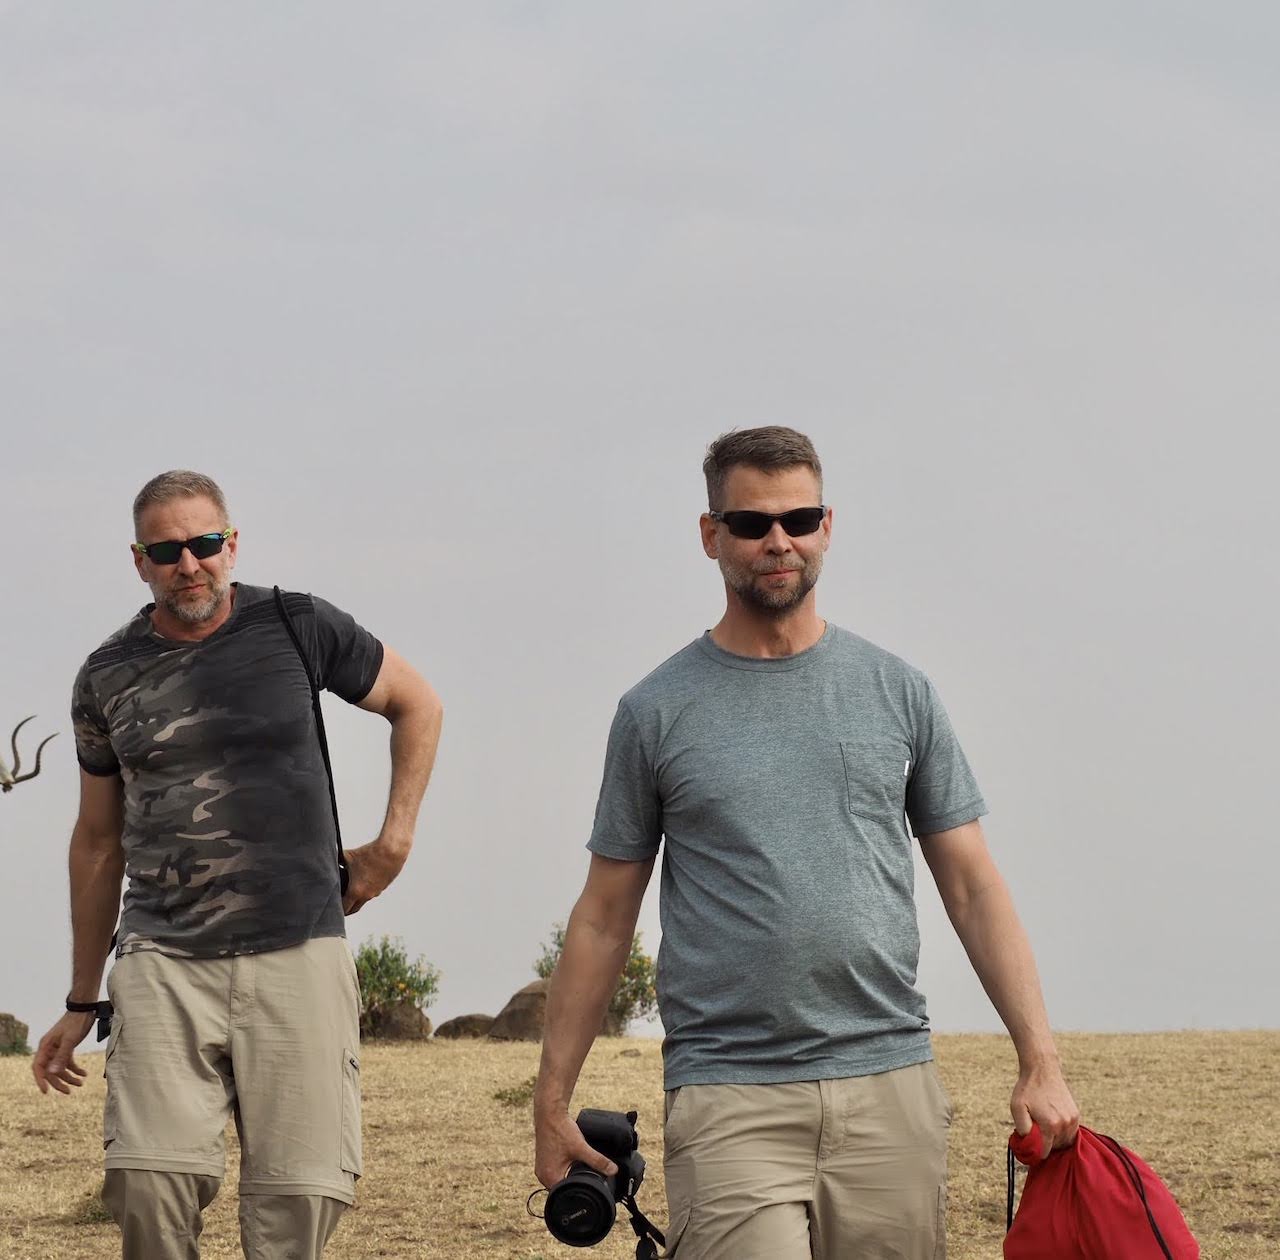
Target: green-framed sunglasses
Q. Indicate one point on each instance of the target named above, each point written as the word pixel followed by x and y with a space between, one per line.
pixel 202 546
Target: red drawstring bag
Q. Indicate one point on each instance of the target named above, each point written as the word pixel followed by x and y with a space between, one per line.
pixel 1093 1200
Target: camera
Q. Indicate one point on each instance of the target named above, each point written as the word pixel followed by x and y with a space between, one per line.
pixel 581 1210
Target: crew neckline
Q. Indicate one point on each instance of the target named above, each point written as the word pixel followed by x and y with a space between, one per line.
pixel 766 664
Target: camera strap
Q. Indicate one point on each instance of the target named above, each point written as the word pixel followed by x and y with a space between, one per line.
pixel 650 1236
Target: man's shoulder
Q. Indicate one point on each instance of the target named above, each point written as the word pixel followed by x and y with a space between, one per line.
pixel 848 646
pixel 675 677
pixel 258 603
pixel 307 604
pixel 130 639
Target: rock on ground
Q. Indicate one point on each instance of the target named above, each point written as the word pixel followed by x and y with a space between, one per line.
pixel 523 1016
pixel 465 1026
pixel 401 1022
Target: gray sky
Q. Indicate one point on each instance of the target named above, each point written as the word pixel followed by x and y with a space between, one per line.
pixel 451 298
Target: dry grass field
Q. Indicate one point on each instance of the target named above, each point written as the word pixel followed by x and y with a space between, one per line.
pixel 447 1164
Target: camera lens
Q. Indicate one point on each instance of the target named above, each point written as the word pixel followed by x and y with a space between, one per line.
pixel 580 1210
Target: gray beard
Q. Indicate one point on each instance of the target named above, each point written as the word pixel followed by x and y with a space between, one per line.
pixel 763 600
pixel 194 614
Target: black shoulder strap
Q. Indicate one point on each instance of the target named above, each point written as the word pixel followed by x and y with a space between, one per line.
pixel 343 874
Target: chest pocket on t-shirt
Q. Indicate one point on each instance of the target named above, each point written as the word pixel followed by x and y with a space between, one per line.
pixel 875 773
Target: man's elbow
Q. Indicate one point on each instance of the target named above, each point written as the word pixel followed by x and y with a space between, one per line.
pixel 97 843
pixel 415 701
pixel 609 921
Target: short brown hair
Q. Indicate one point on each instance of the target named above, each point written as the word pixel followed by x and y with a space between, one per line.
pixel 178 483
pixel 772 448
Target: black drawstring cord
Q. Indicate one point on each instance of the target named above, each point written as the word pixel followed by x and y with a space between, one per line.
pixel 1008 1221
pixel 1136 1178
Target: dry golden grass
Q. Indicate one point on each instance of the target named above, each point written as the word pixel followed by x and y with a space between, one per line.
pixel 447 1166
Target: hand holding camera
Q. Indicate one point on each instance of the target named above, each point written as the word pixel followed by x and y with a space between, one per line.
pixel 582 1206
pixel 559 1144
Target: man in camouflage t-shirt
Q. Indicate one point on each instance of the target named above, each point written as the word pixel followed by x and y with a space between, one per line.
pixel 234 990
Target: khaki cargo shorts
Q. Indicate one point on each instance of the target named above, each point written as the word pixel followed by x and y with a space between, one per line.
pixel 273 1039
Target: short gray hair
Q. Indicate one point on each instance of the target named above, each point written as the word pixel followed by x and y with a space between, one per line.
pixel 178 483
pixel 772 448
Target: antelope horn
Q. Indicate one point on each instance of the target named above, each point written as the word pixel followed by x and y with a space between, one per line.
pixel 22 778
pixel 13 743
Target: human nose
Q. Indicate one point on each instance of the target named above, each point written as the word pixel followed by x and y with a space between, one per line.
pixel 777 539
pixel 187 563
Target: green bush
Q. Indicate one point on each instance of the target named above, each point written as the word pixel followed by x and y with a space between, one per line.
pixel 387 978
pixel 517 1095
pixel 634 998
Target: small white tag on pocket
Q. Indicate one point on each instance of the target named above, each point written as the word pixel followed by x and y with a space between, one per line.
pixel 906 765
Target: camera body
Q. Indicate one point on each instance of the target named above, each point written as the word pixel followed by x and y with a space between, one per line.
pixel 581 1210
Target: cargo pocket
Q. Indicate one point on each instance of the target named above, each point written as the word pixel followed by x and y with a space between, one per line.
pixel 111 1108
pixel 875 775
pixel 350 1151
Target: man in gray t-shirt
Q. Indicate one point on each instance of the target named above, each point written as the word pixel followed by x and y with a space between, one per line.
pixel 786 764
pixel 202 780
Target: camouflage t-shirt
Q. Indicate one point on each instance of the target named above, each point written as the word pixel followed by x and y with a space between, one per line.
pixel 228 832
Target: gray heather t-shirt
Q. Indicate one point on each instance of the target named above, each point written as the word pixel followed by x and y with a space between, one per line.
pixel 789 937
pixel 228 831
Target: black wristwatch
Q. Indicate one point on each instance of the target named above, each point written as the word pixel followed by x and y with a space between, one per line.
pixel 103 1010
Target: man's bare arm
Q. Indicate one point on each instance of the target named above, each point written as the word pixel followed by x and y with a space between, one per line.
pixel 597 944
pixel 96 864
pixel 408 702
pixel 981 910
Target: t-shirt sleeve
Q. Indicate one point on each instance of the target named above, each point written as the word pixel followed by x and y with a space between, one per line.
pixel 346 657
pixel 93 742
pixel 628 822
pixel 941 791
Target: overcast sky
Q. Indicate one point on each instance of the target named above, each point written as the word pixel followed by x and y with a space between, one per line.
pixel 451 298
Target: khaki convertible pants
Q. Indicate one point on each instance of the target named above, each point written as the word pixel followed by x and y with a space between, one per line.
pixel 849 1169
pixel 272 1039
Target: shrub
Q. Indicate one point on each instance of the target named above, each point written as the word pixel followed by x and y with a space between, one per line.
pixel 387 978
pixel 634 998
pixel 517 1095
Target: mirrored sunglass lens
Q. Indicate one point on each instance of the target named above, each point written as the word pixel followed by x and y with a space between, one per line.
pixel 205 546
pixel 164 552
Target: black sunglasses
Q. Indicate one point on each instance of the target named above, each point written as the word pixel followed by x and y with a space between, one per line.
pixel 202 546
pixel 795 523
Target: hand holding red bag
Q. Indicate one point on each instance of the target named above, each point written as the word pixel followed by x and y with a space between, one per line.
pixel 1093 1200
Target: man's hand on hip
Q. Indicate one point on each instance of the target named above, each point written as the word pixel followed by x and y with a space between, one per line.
pixel 1041 1096
pixel 558 1142
pixel 54 1064
pixel 372 867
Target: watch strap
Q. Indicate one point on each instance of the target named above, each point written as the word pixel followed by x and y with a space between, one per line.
pixel 103 1010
